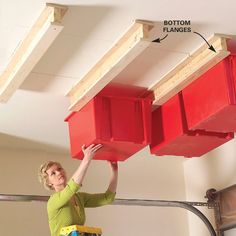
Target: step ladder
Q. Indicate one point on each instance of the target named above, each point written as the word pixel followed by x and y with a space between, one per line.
pixel 80 230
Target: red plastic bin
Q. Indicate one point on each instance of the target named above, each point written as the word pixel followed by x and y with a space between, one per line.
pixel 122 125
pixel 171 136
pixel 210 101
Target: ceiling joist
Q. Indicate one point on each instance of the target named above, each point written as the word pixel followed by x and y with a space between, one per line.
pixel 136 40
pixel 125 50
pixel 37 41
pixel 190 69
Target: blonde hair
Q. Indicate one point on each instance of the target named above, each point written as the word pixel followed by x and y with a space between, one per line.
pixel 43 176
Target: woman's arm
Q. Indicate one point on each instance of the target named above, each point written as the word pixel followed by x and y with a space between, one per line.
pixel 114 177
pixel 89 153
pixel 100 199
pixel 59 199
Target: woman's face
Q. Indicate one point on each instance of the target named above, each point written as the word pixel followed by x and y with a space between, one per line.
pixel 56 176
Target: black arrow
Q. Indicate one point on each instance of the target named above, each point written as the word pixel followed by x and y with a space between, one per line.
pixel 210 46
pixel 158 40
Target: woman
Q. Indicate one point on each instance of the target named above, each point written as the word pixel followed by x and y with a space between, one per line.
pixel 66 206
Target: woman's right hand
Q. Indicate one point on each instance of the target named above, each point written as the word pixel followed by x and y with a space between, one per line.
pixel 90 151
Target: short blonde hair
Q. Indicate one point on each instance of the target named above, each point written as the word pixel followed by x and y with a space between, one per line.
pixel 43 176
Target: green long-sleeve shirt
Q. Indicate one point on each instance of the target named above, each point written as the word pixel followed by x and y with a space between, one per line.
pixel 62 212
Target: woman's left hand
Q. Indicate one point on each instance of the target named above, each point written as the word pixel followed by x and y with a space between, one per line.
pixel 114 165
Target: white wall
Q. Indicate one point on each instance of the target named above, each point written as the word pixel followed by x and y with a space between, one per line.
pixel 217 169
pixel 143 176
pixel 231 232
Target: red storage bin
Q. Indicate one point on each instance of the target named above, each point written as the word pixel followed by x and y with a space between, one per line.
pixel 210 101
pixel 171 136
pixel 122 125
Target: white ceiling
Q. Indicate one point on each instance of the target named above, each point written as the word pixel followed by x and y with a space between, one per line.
pixel 34 116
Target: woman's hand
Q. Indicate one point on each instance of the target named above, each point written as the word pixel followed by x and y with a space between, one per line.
pixel 114 165
pixel 88 156
pixel 89 151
